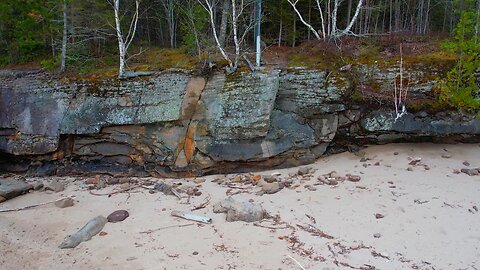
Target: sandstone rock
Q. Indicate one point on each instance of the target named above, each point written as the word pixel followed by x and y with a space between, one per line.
pixel 304 170
pixel 271 188
pixel 65 202
pixel 240 211
pixel 37 185
pixel 54 185
pixel 446 155
pixel 11 188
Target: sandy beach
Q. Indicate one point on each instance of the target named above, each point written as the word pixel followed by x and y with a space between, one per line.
pixel 411 209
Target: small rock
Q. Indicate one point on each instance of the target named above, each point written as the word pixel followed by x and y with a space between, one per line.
pixel 332 182
pixel 239 211
pixel 271 188
pixel 92 181
pixel 377 235
pixel 102 233
pixel 118 216
pixel 65 202
pixel 470 172
pixel 260 183
pixel 304 170
pixel 37 185
pixel 270 178
pixel 124 180
pixel 2 199
pixel 377 163
pixel 256 178
pixel 378 216
pixel 198 180
pixel 353 178
pixel 195 253
pixel 395 153
pixel 334 174
pixel 112 181
pixel 446 155
pixel 11 188
pixel 311 188
pixel 410 169
pixel 55 186
pixel 466 163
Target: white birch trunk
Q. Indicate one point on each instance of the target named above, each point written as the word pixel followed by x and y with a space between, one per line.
pixel 293 3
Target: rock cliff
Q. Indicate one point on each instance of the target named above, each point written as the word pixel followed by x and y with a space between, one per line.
pixel 176 124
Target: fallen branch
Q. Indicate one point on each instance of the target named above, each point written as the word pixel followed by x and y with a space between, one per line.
pixel 168 227
pixel 203 205
pixel 115 192
pixel 30 206
pixel 270 227
pixel 314 231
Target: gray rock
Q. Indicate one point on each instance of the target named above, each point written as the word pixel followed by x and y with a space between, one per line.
pixel 54 185
pixel 64 203
pixel 239 211
pixel 11 188
pixel 470 172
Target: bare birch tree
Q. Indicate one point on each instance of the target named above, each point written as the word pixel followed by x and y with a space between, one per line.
pixel 332 30
pixel 239 33
pixel 124 41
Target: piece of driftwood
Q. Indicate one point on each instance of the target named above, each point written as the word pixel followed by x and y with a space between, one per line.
pixel 93 227
pixel 31 206
pixel 191 216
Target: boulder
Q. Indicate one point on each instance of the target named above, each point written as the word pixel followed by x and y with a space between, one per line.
pixel 11 188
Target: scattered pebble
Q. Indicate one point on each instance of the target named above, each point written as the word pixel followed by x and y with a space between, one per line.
pixel 377 235
pixel 118 216
pixel 378 216
pixel 466 163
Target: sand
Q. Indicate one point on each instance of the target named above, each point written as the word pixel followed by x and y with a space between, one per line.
pixel 430 220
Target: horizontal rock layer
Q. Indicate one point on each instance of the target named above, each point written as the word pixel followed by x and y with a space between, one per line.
pixel 176 124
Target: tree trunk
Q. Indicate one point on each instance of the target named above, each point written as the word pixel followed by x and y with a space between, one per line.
pixel 224 23
pixel 121 43
pixel 64 39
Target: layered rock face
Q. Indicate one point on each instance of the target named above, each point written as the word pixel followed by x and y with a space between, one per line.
pixel 177 124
